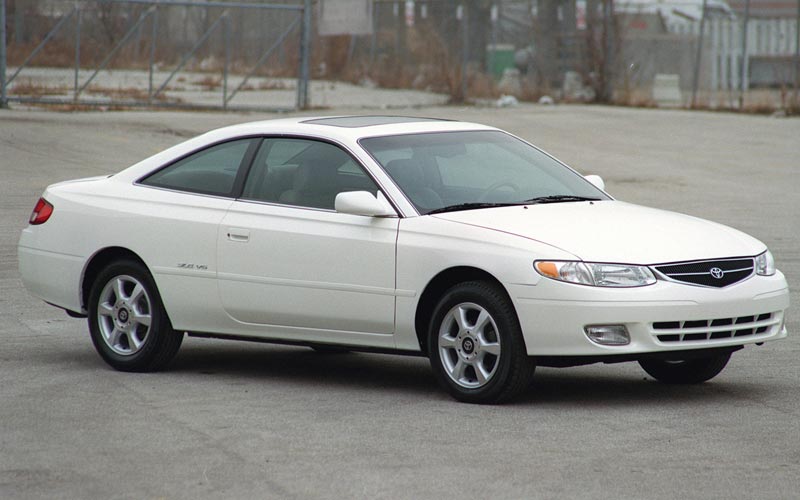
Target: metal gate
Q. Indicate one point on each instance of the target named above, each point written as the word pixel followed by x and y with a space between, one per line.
pixel 145 28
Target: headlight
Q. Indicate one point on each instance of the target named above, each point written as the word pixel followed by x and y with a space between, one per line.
pixel 596 274
pixel 765 264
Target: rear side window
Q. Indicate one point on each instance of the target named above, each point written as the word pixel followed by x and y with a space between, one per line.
pixel 209 171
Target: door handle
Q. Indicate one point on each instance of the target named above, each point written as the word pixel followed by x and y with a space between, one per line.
pixel 239 235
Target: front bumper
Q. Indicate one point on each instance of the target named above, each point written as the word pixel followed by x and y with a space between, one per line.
pixel 553 315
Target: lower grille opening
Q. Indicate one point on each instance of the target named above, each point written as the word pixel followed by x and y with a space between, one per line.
pixel 694 336
pixel 666 325
pixel 687 331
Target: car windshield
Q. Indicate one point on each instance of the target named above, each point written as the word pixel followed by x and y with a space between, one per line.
pixel 448 171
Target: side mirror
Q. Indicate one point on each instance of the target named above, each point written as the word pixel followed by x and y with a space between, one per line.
pixel 362 203
pixel 596 181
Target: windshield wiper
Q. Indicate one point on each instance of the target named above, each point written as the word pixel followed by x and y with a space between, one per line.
pixel 470 206
pixel 559 198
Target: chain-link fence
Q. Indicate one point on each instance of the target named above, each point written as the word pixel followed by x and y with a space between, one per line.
pixel 634 52
pixel 169 53
pixel 682 53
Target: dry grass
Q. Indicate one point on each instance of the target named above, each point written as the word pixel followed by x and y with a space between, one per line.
pixel 129 93
pixel 29 88
pixel 273 85
pixel 635 98
pixel 208 83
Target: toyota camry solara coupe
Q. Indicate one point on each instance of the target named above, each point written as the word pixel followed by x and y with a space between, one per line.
pixel 452 240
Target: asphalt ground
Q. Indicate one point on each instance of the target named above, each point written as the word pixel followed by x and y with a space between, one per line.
pixel 239 420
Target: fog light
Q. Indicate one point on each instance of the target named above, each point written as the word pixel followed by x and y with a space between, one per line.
pixel 608 334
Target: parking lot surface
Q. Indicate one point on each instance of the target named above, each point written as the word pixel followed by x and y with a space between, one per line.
pixel 239 420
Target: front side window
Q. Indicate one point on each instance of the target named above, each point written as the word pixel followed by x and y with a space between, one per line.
pixel 210 171
pixel 303 173
pixel 439 171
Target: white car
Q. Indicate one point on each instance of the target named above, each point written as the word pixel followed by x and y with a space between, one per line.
pixel 393 234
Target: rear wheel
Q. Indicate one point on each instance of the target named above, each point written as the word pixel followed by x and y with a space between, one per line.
pixel 127 321
pixel 687 371
pixel 475 345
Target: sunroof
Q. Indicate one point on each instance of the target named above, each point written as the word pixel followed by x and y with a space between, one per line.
pixel 367 121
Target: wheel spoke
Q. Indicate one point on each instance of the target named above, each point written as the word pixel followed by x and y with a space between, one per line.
pixel 490 347
pixel 447 342
pixel 105 309
pixel 480 373
pixel 141 319
pixel 133 342
pixel 119 287
pixel 113 338
pixel 458 370
pixel 137 293
pixel 461 319
pixel 482 321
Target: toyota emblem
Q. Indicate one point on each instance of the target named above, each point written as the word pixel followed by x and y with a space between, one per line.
pixel 717 273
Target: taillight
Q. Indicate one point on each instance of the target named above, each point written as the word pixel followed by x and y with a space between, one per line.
pixel 41 212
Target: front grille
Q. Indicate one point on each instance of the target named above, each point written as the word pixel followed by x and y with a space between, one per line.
pixel 715 329
pixel 712 273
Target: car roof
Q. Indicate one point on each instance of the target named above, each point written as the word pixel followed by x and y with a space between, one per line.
pixel 347 127
pixel 368 120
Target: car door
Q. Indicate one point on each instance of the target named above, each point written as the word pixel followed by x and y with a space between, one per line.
pixel 171 219
pixel 287 259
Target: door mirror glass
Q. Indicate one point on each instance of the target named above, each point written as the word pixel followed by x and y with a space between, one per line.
pixel 596 181
pixel 363 203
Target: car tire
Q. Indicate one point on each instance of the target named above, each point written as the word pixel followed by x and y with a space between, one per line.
pixel 129 326
pixel 687 371
pixel 475 345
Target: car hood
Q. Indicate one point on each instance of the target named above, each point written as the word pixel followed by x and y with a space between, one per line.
pixel 614 231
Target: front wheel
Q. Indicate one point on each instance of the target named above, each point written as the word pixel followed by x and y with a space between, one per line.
pixel 687 371
pixel 475 345
pixel 127 321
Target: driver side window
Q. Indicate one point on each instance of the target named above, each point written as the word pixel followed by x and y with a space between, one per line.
pixel 303 173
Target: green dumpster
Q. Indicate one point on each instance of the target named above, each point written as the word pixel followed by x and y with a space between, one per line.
pixel 500 56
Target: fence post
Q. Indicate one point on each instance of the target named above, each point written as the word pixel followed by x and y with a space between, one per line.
pixel 77 54
pixel 226 28
pixel 464 50
pixel 373 40
pixel 609 33
pixel 3 100
pixel 745 62
pixel 797 56
pixel 152 58
pixel 305 49
pixel 698 58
